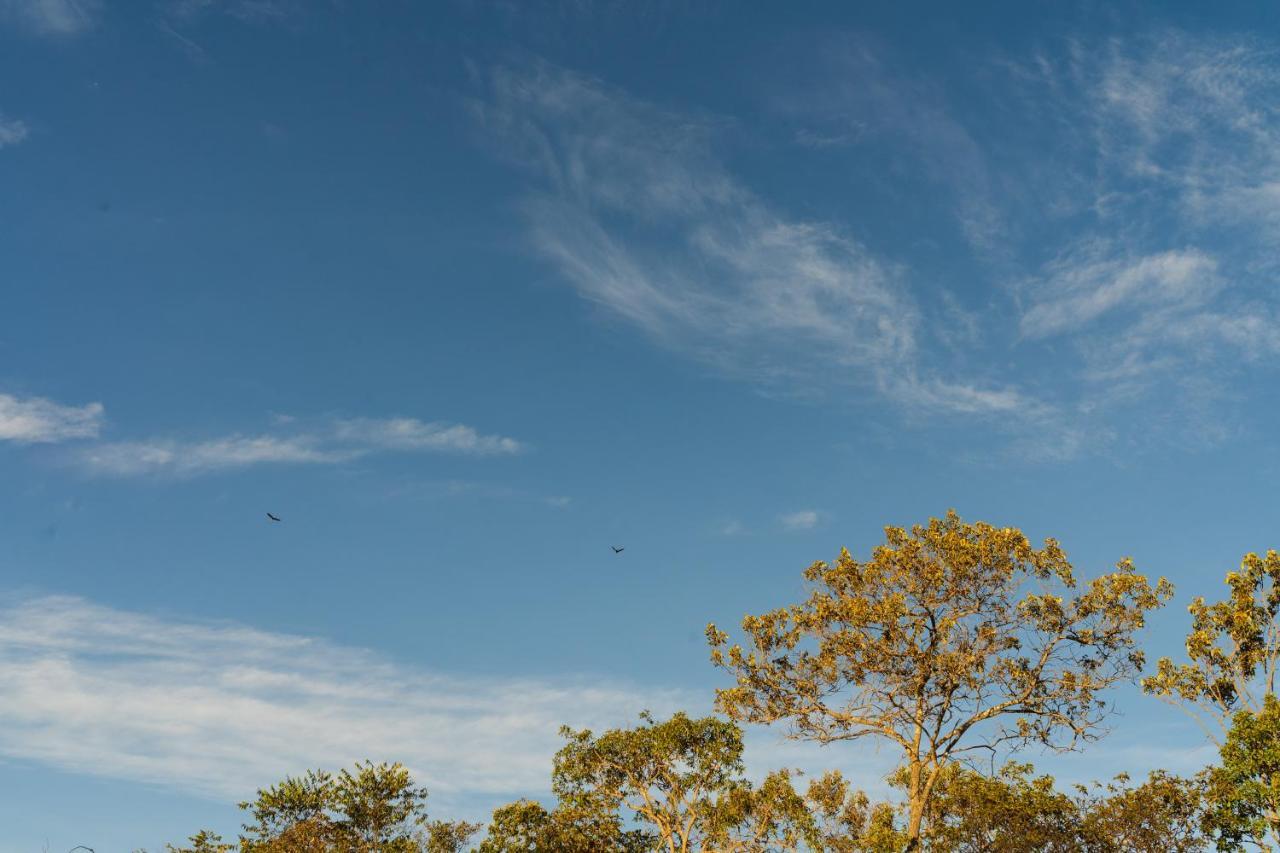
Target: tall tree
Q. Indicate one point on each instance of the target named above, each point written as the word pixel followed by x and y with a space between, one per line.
pixel 1233 649
pixel 953 637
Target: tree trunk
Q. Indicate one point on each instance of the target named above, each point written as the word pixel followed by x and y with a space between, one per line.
pixel 915 804
pixel 913 829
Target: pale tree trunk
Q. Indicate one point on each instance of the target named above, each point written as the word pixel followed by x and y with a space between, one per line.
pixel 915 806
pixel 919 789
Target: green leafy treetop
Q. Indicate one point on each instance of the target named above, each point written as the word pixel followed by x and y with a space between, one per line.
pixel 527 827
pixel 203 842
pixel 1244 791
pixel 952 638
pixel 372 808
pixel 681 781
pixel 1162 815
pixel 1008 812
pixel 668 774
pixel 1014 811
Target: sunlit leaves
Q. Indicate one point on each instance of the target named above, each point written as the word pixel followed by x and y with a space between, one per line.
pixel 1233 646
pixel 952 637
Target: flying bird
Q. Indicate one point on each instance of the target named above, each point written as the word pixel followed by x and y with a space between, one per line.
pixel 272 517
pixel 616 549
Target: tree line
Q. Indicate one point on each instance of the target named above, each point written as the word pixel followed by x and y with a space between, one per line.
pixel 957 644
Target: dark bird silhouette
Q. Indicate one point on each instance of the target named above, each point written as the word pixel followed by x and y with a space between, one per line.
pixel 272 517
pixel 616 549
pixel 80 847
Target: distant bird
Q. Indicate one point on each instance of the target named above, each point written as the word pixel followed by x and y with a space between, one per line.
pixel 616 549
pixel 272 517
pixel 80 847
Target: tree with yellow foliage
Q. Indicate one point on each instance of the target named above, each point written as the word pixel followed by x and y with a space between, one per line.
pixel 1228 686
pixel 953 638
pixel 1233 647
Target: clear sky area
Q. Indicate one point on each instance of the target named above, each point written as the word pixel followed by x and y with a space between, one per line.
pixel 468 293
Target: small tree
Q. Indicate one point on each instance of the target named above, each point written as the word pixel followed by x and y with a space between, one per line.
pixel 775 818
pixel 1234 649
pixel 847 821
pixel 952 638
pixel 374 809
pixel 445 836
pixel 527 827
pixel 667 773
pixel 1015 811
pixel 1162 815
pixel 1244 792
pixel 520 827
pixel 683 779
pixel 1009 812
pixel 203 841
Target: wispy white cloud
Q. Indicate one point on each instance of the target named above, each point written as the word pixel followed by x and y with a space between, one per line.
pixel 1122 213
pixel 339 442
pixel 412 434
pixel 805 519
pixel 52 17
pixel 623 178
pixel 447 489
pixel 132 458
pixel 1095 279
pixel 936 395
pixel 35 420
pixel 12 131
pixel 220 709
pixel 642 218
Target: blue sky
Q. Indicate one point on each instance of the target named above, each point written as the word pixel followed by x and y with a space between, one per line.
pixel 469 292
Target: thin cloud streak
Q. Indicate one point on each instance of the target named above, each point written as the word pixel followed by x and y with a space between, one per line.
pixel 343 441
pixel 35 420
pixel 805 519
pixel 125 459
pixel 412 434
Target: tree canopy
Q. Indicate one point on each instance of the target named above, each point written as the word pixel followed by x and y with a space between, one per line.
pixel 952 638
